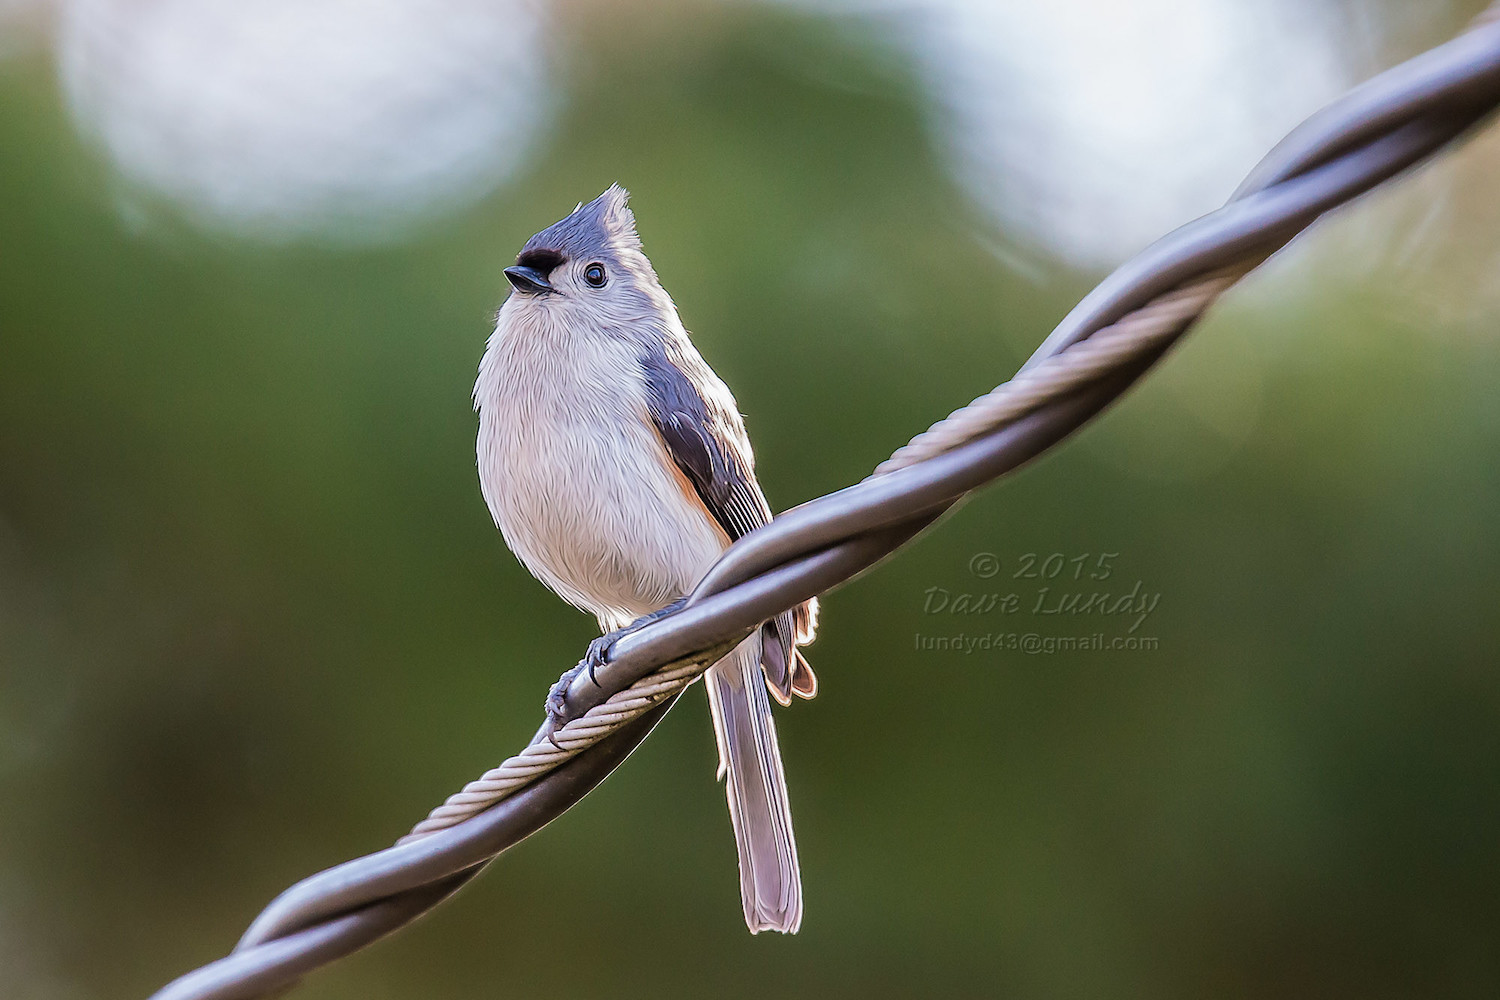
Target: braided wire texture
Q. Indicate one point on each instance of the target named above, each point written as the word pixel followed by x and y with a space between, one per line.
pixel 572 739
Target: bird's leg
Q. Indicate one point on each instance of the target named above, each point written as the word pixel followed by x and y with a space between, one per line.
pixel 559 711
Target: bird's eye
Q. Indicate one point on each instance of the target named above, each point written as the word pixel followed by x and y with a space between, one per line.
pixel 594 275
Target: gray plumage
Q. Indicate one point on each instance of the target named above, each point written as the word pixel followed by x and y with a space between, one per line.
pixel 616 465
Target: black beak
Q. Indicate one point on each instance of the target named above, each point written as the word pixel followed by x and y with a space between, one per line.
pixel 528 280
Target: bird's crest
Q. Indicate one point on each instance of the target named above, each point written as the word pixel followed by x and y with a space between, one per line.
pixel 606 223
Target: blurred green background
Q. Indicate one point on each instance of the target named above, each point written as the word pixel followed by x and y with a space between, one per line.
pixel 255 619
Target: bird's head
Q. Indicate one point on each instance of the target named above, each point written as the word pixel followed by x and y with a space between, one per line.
pixel 587 267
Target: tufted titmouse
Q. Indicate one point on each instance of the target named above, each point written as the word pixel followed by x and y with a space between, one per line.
pixel 616 464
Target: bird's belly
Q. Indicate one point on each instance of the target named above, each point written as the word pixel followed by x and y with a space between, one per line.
pixel 587 498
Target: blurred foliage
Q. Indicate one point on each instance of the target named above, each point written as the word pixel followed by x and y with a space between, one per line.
pixel 254 618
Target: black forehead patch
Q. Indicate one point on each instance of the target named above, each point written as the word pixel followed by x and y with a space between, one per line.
pixel 544 260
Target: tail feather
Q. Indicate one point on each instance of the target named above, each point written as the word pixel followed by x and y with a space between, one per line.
pixel 787 672
pixel 804 681
pixel 770 881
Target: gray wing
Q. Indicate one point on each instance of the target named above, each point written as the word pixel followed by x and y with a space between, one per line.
pixel 708 445
pixel 698 422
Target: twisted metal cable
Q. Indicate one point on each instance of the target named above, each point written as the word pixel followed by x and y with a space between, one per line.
pixel 1156 324
pixel 1107 342
pixel 578 735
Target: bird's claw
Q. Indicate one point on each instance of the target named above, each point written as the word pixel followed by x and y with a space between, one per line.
pixel 598 655
pixel 560 710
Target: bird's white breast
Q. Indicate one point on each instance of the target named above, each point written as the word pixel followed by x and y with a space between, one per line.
pixel 576 477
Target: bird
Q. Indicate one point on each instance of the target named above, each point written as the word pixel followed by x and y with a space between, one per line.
pixel 616 465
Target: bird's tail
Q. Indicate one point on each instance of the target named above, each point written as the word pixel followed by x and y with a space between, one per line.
pixel 770 881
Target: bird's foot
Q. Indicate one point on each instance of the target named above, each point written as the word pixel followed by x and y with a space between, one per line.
pixel 560 708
